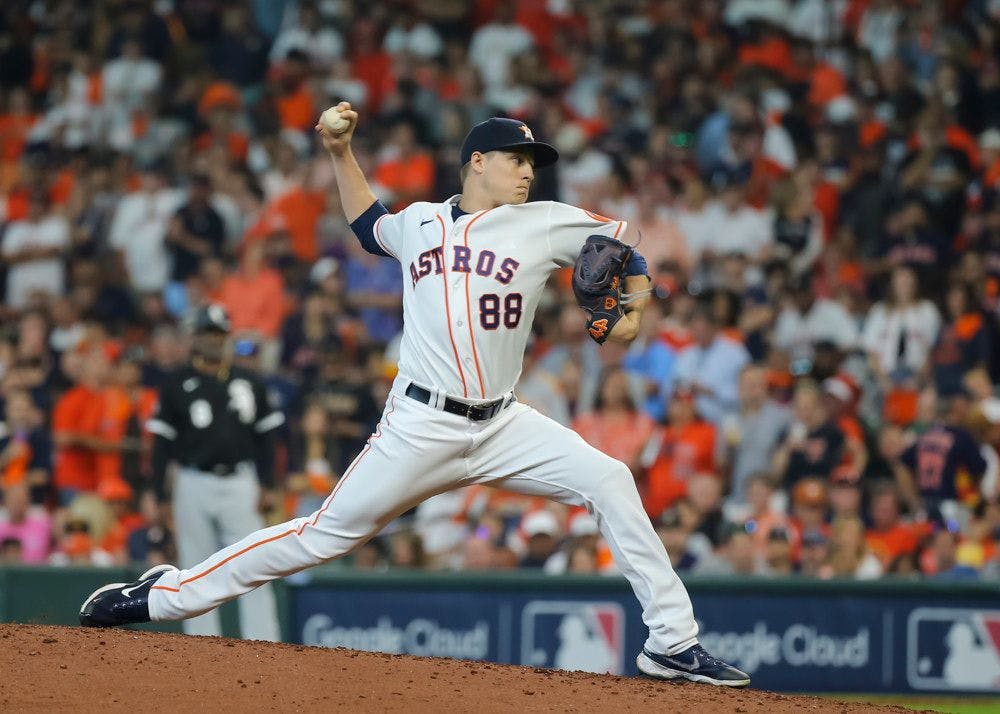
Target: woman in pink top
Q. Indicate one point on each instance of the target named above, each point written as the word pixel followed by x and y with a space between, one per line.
pixel 616 426
pixel 28 525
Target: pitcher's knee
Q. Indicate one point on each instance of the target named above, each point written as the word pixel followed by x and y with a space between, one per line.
pixel 616 479
pixel 329 543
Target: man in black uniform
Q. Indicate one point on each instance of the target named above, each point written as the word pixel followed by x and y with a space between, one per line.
pixel 214 420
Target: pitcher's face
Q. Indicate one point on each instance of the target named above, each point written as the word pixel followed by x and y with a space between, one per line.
pixel 507 176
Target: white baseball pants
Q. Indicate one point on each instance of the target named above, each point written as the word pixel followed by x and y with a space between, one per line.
pixel 418 451
pixel 210 511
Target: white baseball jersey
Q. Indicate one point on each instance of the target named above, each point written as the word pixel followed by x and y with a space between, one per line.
pixel 481 275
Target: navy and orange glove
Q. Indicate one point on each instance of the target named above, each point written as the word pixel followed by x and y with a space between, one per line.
pixel 597 282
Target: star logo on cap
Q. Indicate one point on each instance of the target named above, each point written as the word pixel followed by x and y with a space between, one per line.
pixel 527 132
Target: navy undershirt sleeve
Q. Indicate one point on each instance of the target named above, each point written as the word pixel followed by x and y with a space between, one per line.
pixel 364 228
pixel 636 264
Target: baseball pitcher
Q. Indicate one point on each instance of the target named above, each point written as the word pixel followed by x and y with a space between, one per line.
pixel 474 268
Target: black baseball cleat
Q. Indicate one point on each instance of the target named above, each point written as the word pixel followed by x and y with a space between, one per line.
pixel 695 664
pixel 121 603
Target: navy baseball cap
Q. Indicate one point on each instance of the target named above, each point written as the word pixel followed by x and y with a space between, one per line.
pixel 499 133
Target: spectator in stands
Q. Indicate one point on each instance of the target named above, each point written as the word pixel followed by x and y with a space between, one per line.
pixel 582 560
pixel 814 556
pixel 351 410
pixel 807 319
pixel 736 555
pixel 963 344
pixel 127 407
pixel 674 454
pixel 738 227
pixel 777 559
pixel 152 543
pixel 406 550
pixel 649 363
pixel 139 230
pixel 849 554
pixel 942 466
pixel 321 43
pixel 674 536
pixel 845 496
pixel 701 508
pixel 749 437
pixel 373 288
pixel 798 226
pixel 196 231
pixel 813 445
pixel 541 532
pixel 311 476
pixel 615 426
pixel 412 35
pixel 710 367
pixel 33 250
pixel 27 524
pixel 10 552
pixel 809 506
pixel 76 423
pixel 406 171
pixel 889 537
pixel 125 520
pixel 239 55
pixel 900 331
pixel 495 44
pixel 760 515
pixel 842 394
pixel 941 561
pixel 25 447
pixel 254 294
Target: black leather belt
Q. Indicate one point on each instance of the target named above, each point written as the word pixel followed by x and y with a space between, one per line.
pixel 475 412
pixel 217 469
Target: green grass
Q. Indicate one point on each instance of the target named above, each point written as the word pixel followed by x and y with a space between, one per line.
pixel 970 704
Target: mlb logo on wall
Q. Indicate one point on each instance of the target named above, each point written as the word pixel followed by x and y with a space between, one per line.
pixel 573 635
pixel 953 649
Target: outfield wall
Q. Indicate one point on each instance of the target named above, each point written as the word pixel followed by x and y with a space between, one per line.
pixel 791 635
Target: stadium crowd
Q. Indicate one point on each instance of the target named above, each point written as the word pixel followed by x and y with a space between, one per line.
pixel 816 183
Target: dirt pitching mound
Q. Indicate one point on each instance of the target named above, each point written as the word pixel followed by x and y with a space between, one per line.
pixel 81 670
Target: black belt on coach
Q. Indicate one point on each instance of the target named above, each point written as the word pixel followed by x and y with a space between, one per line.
pixel 216 469
pixel 475 412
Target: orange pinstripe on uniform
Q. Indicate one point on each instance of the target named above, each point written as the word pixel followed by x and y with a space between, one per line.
pixel 447 308
pixel 468 310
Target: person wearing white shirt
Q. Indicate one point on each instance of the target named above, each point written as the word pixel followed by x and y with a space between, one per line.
pixel 139 230
pixel 736 226
pixel 879 27
pixel 694 220
pixel 322 44
pixel 805 320
pixel 739 12
pixel 127 82
pixel 900 331
pixel 410 35
pixel 494 45
pixel 711 368
pixel 32 250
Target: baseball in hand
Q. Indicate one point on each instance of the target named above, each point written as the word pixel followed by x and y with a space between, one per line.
pixel 333 122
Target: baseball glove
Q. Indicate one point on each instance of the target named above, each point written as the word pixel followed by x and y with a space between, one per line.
pixel 597 283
